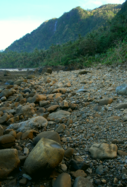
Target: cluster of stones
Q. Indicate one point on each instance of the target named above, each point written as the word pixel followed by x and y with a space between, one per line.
pixel 64 129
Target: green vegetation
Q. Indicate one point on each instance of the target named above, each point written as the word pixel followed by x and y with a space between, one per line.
pixel 66 28
pixel 107 45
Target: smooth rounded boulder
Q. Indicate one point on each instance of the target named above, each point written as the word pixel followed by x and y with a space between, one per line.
pixel 9 161
pixel 45 156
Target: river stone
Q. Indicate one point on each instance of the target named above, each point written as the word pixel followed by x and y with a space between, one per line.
pixel 104 150
pixel 33 123
pixel 105 101
pixel 7 92
pixel 64 104
pixel 36 98
pixel 121 105
pixel 29 134
pixel 10 132
pixel 82 182
pixel 52 108
pixel 25 110
pixel 45 156
pixel 60 128
pixel 122 153
pixel 4 118
pixel 44 103
pixel 63 180
pixel 122 89
pixel 7 141
pixel 78 173
pixel 59 115
pixel 69 152
pixel 8 161
pixel 47 134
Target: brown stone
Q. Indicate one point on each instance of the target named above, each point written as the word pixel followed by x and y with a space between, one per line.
pixel 105 101
pixel 58 95
pixel 11 132
pixel 50 96
pixel 78 173
pixel 69 152
pixel 63 180
pixel 29 134
pixel 44 103
pixel 36 98
pixel 18 135
pixel 52 108
pixel 7 141
pixel 8 161
pixel 47 134
pixel 122 153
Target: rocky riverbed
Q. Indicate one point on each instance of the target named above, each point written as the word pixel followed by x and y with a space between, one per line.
pixel 64 129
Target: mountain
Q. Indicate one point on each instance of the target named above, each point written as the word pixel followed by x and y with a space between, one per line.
pixel 71 25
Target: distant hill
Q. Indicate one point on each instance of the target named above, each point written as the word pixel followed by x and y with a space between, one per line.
pixel 71 25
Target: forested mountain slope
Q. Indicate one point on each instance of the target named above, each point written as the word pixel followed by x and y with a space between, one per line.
pixel 66 28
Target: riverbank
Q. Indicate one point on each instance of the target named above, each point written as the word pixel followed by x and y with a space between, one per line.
pixel 74 116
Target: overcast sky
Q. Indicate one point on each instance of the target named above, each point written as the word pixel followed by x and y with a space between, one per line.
pixel 19 17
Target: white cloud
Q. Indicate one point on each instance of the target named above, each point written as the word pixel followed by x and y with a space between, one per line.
pixel 91 4
pixel 15 29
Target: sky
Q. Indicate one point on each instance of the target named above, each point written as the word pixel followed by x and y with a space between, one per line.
pixel 19 17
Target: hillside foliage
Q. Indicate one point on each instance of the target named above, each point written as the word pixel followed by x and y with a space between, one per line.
pixel 107 44
pixel 66 28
